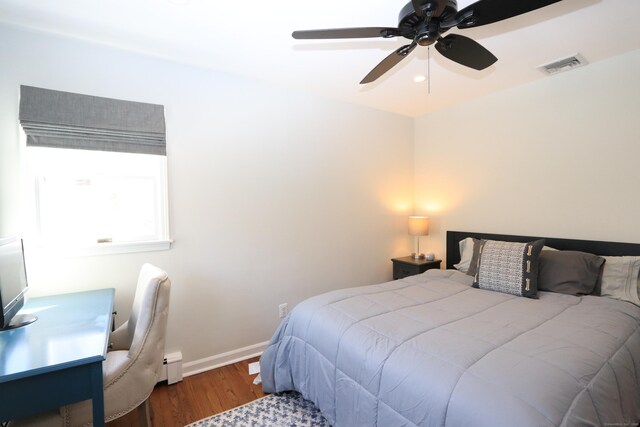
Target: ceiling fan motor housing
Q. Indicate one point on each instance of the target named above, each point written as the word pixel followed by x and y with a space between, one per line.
pixel 424 29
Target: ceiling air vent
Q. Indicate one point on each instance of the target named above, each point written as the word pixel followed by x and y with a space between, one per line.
pixel 564 64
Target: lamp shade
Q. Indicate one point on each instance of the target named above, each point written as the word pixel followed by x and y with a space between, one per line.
pixel 418 225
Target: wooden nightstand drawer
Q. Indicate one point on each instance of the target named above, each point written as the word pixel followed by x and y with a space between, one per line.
pixel 408 266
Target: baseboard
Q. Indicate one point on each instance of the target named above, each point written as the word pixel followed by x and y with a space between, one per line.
pixel 223 359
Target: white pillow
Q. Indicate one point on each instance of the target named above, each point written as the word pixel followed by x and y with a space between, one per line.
pixel 466 253
pixel 621 278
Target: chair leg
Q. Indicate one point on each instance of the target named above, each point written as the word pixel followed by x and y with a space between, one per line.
pixel 144 414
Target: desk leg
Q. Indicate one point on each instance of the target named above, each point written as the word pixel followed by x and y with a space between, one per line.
pixel 97 391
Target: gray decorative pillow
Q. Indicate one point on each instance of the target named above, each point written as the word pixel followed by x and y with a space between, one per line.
pixel 569 272
pixel 473 265
pixel 508 267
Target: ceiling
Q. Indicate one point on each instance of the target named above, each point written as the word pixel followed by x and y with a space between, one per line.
pixel 253 39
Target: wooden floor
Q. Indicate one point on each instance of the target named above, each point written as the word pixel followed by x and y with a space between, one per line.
pixel 198 396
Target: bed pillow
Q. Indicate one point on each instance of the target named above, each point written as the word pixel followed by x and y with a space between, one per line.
pixel 466 253
pixel 508 267
pixel 473 265
pixel 569 272
pixel 621 278
pixel 475 258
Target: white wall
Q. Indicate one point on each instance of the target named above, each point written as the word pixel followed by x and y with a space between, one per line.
pixel 557 157
pixel 274 195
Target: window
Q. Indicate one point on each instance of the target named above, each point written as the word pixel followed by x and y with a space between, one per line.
pixel 96 172
pixel 86 199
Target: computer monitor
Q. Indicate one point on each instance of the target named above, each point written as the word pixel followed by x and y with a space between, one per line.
pixel 13 284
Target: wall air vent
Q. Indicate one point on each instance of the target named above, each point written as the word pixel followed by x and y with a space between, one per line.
pixel 564 64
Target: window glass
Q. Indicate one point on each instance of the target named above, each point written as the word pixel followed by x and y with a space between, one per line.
pixel 84 198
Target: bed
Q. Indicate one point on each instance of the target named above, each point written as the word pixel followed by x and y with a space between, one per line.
pixel 432 350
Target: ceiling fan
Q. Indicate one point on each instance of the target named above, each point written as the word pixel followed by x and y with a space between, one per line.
pixel 424 21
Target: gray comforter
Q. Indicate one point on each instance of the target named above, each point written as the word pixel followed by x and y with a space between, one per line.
pixel 429 350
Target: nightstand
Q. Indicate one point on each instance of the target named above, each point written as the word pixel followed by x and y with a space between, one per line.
pixel 408 266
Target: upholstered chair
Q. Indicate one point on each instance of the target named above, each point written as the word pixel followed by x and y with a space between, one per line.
pixel 134 360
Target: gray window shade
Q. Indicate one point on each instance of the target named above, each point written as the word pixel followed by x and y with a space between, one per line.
pixel 51 118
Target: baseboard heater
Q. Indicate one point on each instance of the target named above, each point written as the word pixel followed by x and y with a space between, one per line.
pixel 172 368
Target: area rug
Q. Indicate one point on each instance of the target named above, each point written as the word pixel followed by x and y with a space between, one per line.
pixel 286 409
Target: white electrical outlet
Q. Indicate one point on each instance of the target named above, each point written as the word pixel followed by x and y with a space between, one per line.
pixel 283 309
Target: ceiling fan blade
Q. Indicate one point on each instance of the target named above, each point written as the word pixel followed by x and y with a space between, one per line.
pixel 489 11
pixel 465 51
pixel 389 62
pixel 347 33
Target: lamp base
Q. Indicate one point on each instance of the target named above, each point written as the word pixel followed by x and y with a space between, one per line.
pixel 417 256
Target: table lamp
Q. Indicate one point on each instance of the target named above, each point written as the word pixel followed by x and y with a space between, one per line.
pixel 418 226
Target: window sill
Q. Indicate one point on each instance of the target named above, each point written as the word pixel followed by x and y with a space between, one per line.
pixel 111 248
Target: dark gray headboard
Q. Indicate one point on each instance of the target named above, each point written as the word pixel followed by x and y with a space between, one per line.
pixel 591 246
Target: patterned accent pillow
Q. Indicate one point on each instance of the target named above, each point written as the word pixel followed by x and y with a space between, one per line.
pixel 508 267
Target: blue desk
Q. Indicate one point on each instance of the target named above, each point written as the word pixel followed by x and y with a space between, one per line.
pixel 56 360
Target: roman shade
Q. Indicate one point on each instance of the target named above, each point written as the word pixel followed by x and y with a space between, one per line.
pixel 52 118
